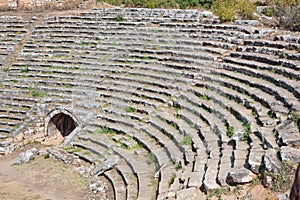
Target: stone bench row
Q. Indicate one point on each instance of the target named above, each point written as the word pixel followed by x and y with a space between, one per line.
pixel 67 48
pixel 265 134
pixel 124 30
pixel 288 38
pixel 134 12
pixel 280 93
pixel 232 37
pixel 266 138
pixel 118 65
pixel 119 186
pixel 129 181
pixel 32 52
pixel 237 111
pixel 268 59
pixel 143 170
pixel 191 113
pixel 275 69
pixel 261 96
pixel 117 74
pixel 151 131
pixel 260 108
pixel 94 152
pixel 64 38
pixel 14 101
pixel 272 44
pixel 279 53
pixel 290 85
pixel 96 21
pixel 15 33
pixel 156 134
pixel 59 86
pixel 219 106
pixel 194 170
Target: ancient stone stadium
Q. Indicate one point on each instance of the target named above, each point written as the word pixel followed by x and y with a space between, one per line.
pixel 181 102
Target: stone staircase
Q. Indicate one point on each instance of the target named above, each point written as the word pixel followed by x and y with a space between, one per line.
pixel 183 101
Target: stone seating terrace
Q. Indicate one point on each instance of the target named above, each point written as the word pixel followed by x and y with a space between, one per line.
pixel 183 100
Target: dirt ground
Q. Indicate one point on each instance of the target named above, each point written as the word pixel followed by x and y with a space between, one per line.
pixel 42 179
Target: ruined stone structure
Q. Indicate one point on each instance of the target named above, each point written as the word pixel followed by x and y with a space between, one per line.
pixel 27 4
pixel 187 104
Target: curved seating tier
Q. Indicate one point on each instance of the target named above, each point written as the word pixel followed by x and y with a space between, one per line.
pixel 181 99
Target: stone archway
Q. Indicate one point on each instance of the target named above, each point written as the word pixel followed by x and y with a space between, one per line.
pixel 60 124
pixel 63 123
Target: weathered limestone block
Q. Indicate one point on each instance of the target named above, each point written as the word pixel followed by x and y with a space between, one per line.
pixel 241 175
pixel 290 154
pixel 288 132
pixel 209 181
pixel 271 161
pixel 267 136
pixel 189 193
pixel 255 160
pixel 195 179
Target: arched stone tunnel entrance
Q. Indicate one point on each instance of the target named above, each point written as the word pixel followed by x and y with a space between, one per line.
pixel 60 125
pixel 63 123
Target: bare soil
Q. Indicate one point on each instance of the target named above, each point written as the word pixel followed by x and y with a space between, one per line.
pixel 41 179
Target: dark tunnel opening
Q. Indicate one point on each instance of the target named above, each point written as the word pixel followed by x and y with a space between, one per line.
pixel 64 123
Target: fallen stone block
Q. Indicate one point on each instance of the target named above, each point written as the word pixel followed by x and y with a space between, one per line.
pixel 238 176
pixel 290 154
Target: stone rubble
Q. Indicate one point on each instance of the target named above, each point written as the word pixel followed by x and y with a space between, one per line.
pixel 26 156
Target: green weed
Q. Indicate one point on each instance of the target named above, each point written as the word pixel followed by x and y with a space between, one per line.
pixel 187 141
pixel 130 109
pixel 247 129
pixel 36 93
pixel 119 18
pixel 172 179
pixel 230 131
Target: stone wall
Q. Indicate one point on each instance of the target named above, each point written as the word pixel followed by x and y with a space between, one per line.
pixel 8 4
pixel 31 3
pixel 23 4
